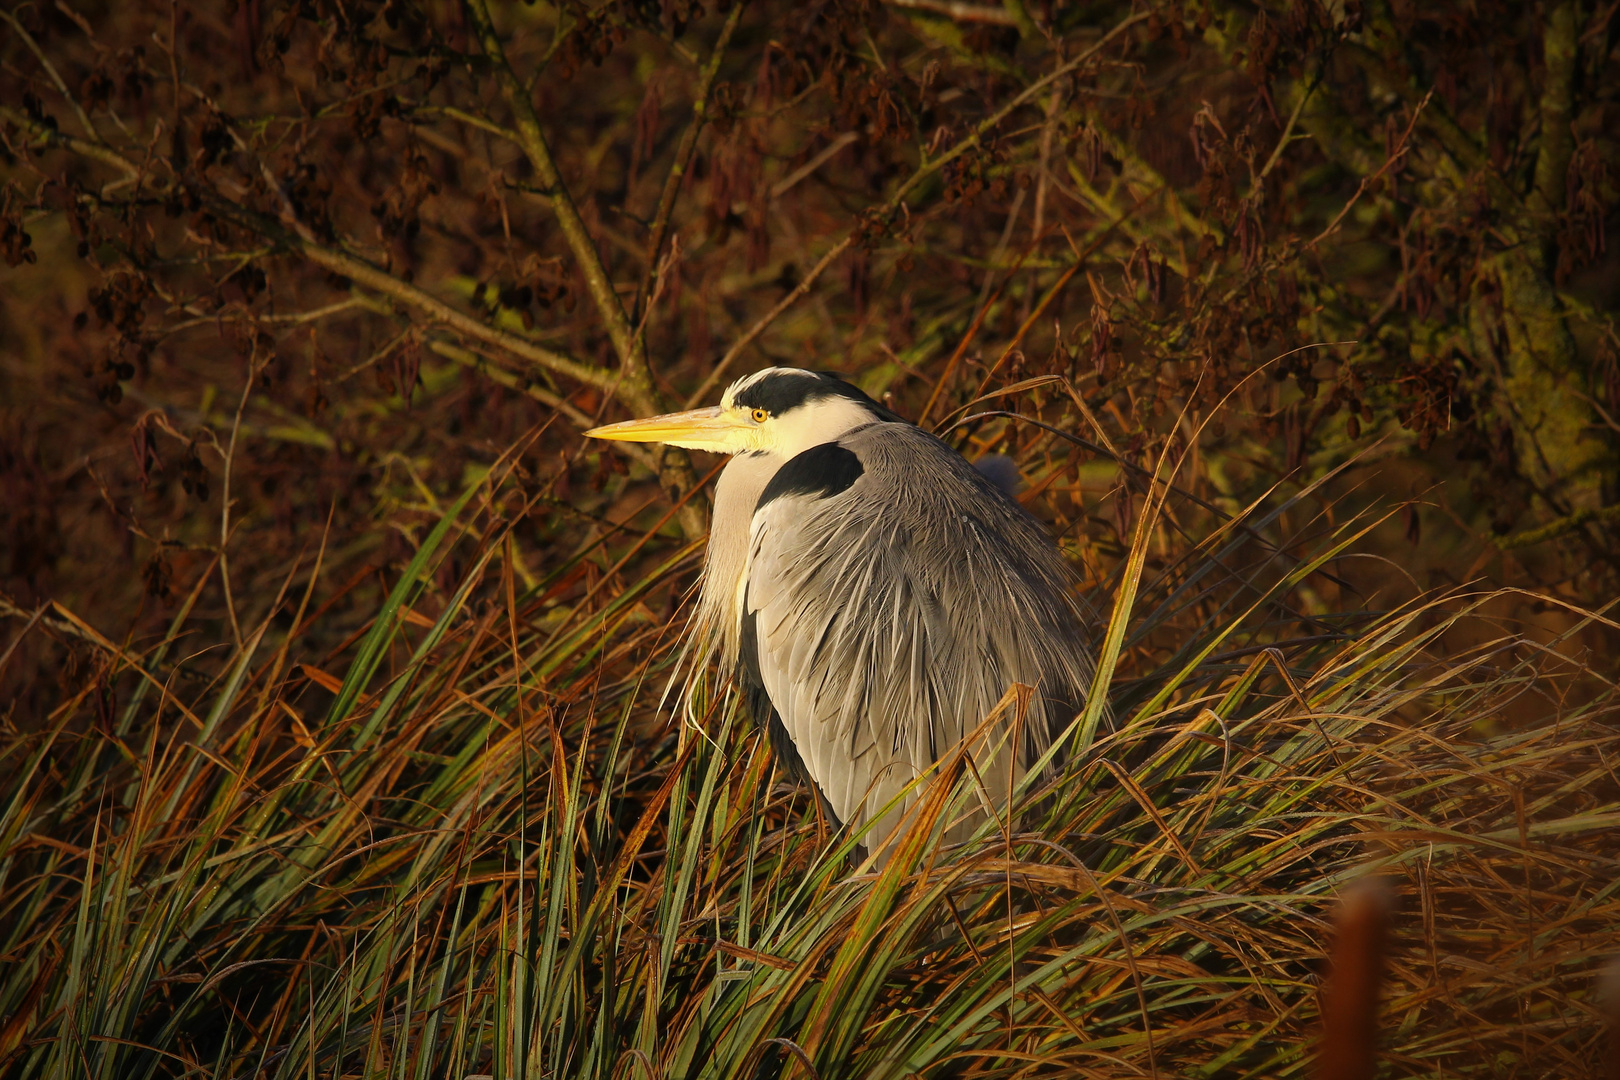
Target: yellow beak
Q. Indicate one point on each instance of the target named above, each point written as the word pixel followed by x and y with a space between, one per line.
pixel 700 429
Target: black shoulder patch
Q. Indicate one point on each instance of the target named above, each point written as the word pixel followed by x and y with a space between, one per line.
pixel 822 471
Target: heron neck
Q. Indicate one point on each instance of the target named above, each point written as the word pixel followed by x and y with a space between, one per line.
pixel 735 494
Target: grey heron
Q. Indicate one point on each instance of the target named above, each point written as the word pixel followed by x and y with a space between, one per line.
pixel 874 594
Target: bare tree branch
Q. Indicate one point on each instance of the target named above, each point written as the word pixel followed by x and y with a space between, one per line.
pixel 960 10
pixel 353 267
pixel 923 171
pixel 50 69
pixel 96 151
pixel 1557 142
pixel 634 384
pixel 684 152
pixel 638 386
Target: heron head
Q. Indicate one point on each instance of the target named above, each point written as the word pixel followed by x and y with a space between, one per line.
pixel 779 411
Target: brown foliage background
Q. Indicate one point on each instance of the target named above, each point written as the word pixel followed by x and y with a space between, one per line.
pixel 286 276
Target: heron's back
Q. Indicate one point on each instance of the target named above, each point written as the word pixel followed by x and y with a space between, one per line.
pixel 893 595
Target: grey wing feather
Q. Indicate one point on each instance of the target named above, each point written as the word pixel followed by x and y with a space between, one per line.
pixel 890 619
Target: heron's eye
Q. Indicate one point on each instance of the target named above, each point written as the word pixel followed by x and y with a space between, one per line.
pixel 760 416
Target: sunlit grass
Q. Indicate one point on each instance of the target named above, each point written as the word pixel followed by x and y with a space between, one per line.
pixel 477 848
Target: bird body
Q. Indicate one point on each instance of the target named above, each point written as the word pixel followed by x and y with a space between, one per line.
pixel 875 594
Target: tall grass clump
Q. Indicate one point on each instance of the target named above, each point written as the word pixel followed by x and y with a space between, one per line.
pixel 469 844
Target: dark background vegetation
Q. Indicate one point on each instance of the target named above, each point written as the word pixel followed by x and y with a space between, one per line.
pixel 287 274
pixel 284 280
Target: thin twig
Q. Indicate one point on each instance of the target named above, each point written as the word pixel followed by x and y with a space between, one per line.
pixel 294 318
pixel 967 339
pixel 759 327
pixel 471 120
pixel 1042 174
pixel 1395 157
pixel 660 276
pixel 580 242
pixel 959 10
pixel 787 183
pixel 1080 258
pixel 633 384
pixel 925 170
pixel 6 609
pixel 376 355
pixel 370 276
pixel 350 266
pixel 1282 140
pixel 492 371
pixel 225 499
pixel 83 147
pixel 1000 249
pixel 50 69
pixel 684 152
